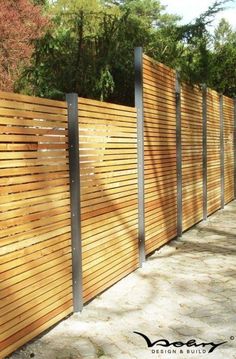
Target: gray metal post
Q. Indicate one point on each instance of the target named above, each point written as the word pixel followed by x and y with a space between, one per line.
pixel 234 147
pixel 74 165
pixel 204 145
pixel 179 157
pixel 138 61
pixel 222 160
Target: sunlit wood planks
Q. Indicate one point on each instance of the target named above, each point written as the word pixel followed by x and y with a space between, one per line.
pixel 160 176
pixel 192 141
pixel 35 240
pixel 109 202
pixel 213 152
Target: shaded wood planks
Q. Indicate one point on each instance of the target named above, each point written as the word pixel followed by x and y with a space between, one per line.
pixel 213 152
pixel 35 239
pixel 109 199
pixel 160 176
pixel 228 115
pixel 192 141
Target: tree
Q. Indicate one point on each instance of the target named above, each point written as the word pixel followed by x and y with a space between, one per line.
pixel 21 23
pixel 89 49
pixel 67 58
pixel 143 23
pixel 40 2
pixel 194 61
pixel 223 60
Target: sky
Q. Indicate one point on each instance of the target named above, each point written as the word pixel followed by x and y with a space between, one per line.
pixel 190 9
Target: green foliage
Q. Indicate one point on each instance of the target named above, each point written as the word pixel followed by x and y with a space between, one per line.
pixel 209 59
pixel 89 48
pixel 223 59
pixel 194 63
pixel 40 2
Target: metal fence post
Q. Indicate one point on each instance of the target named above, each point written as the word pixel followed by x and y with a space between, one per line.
pixel 138 62
pixel 179 157
pixel 204 148
pixel 235 147
pixel 222 151
pixel 74 165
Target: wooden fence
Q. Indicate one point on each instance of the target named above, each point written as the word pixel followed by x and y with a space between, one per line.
pixel 88 189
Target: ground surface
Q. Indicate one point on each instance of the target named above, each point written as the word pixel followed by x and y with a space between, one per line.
pixel 185 291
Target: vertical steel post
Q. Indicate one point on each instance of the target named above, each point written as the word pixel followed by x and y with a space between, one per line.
pixel 138 62
pixel 234 147
pixel 222 159
pixel 204 152
pixel 74 166
pixel 179 157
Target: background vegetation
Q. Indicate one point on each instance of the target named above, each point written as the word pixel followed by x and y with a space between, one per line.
pixel 49 48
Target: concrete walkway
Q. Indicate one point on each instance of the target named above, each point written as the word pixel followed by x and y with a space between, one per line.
pixel 185 291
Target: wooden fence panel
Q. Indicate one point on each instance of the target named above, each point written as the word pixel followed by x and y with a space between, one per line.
pixel 35 252
pixel 160 175
pixel 109 200
pixel 213 152
pixel 228 115
pixel 192 142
